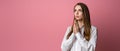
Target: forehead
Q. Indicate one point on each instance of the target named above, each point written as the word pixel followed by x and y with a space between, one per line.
pixel 78 7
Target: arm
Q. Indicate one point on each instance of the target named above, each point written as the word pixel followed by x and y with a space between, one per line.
pixel 67 43
pixel 93 40
pixel 88 45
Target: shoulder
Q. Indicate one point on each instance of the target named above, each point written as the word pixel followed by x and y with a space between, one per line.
pixel 93 28
pixel 69 28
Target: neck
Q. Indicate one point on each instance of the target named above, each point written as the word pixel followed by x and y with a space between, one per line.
pixel 80 22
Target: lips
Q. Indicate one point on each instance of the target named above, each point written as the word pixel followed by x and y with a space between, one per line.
pixel 77 16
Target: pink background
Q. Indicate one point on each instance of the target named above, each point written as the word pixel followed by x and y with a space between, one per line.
pixel 39 25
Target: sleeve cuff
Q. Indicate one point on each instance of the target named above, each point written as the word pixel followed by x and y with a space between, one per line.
pixel 81 40
pixel 79 36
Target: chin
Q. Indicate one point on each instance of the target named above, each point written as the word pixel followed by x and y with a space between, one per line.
pixel 77 18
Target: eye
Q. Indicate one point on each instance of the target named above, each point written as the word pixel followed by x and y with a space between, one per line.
pixel 80 10
pixel 74 10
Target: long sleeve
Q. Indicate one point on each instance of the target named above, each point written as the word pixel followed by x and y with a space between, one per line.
pixel 67 43
pixel 88 45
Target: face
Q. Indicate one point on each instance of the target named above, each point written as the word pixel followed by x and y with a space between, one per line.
pixel 78 12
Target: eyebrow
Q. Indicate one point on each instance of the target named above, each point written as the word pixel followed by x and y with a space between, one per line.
pixel 78 9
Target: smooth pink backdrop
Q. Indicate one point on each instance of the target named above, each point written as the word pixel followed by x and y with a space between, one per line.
pixel 39 25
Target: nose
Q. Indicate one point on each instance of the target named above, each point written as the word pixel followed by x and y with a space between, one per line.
pixel 77 13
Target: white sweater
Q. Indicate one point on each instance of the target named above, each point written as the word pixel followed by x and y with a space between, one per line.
pixel 76 42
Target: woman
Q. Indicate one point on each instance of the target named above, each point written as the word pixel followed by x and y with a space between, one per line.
pixel 81 36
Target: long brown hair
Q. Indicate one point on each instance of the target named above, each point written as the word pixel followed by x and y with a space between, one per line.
pixel 86 21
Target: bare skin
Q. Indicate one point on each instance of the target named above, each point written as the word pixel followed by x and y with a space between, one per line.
pixel 78 22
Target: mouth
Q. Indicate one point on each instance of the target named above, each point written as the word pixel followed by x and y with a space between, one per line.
pixel 77 16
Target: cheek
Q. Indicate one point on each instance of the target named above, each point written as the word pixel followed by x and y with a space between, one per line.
pixel 74 13
pixel 80 13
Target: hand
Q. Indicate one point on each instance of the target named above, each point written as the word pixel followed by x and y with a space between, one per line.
pixel 75 27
